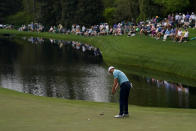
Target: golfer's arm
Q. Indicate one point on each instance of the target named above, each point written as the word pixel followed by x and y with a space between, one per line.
pixel 115 85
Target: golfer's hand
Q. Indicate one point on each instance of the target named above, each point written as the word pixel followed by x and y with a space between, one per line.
pixel 113 91
pixel 115 86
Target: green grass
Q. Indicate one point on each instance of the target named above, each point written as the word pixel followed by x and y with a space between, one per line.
pixel 23 112
pixel 140 55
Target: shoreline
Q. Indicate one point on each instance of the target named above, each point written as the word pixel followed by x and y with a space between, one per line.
pixel 148 64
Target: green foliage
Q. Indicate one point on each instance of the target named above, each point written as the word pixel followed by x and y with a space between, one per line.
pixel 133 10
pixel 148 9
pixel 28 6
pixel 192 6
pixel 48 12
pixel 127 10
pixel 9 7
pixel 109 15
pixel 123 9
pixel 19 19
pixel 89 12
pixel 108 3
pixel 173 5
pixel 66 12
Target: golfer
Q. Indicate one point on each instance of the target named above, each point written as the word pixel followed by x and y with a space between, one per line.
pixel 121 79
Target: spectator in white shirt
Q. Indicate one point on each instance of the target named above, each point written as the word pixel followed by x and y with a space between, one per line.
pixel 185 37
pixel 179 35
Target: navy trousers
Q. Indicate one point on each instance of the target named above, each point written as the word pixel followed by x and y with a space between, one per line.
pixel 124 95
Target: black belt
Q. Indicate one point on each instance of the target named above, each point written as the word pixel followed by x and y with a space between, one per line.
pixel 127 82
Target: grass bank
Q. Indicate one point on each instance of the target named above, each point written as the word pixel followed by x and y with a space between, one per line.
pixel 23 112
pixel 140 55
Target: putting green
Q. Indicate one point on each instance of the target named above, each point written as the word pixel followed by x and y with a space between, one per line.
pixel 23 112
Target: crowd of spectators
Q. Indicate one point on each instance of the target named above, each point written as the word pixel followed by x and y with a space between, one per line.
pixel 6 26
pixel 32 27
pixel 175 27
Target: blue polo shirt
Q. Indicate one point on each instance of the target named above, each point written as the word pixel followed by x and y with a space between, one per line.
pixel 120 76
pixel 168 32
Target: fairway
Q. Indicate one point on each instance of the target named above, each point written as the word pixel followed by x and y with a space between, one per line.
pixel 140 55
pixel 26 112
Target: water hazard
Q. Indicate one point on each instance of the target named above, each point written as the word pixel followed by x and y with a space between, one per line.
pixel 74 70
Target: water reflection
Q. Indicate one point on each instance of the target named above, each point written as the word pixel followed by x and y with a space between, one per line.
pixel 85 50
pixel 93 87
pixel 181 91
pixel 51 69
pixel 62 69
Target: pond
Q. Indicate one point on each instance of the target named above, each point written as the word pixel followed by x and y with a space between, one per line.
pixel 52 68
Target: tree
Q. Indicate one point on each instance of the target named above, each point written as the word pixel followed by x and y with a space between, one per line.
pixel 109 15
pixel 9 7
pixel 173 5
pixel 192 6
pixel 108 3
pixel 127 10
pixel 68 13
pixel 28 6
pixel 89 12
pixel 136 9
